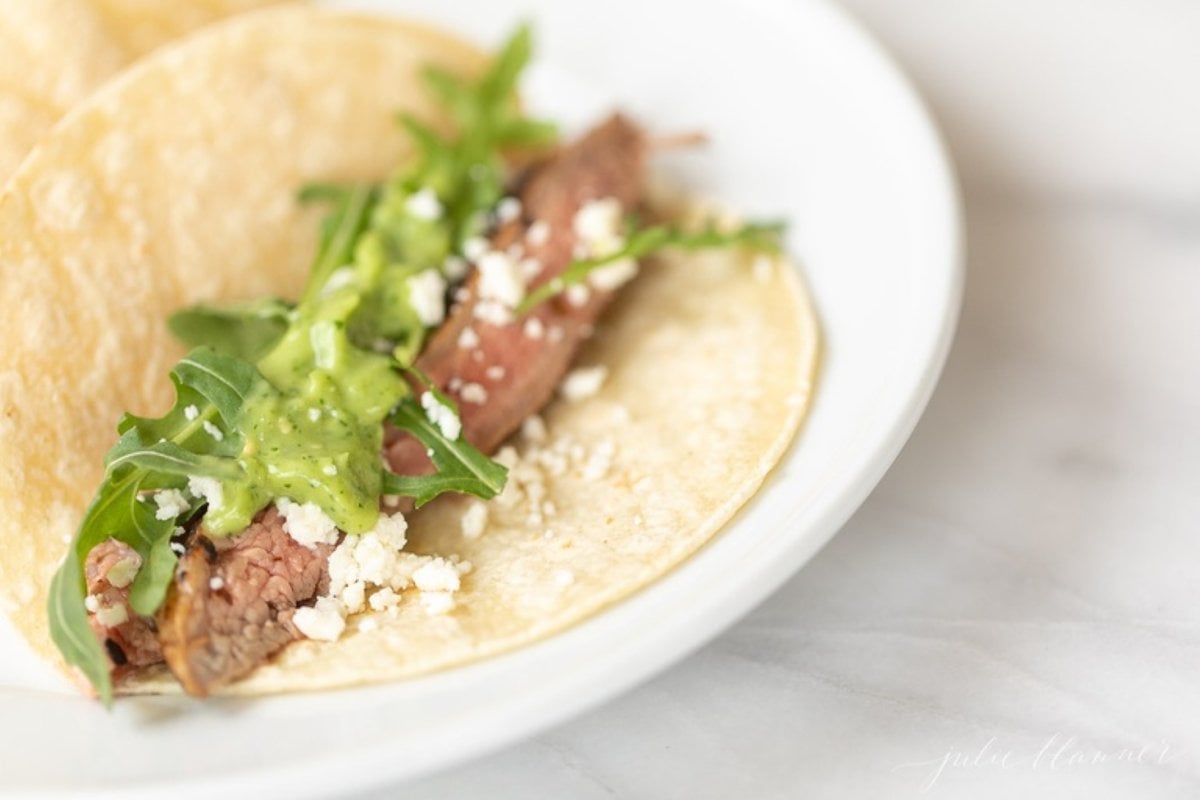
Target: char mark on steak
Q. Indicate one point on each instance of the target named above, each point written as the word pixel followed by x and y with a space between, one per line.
pixel 231 604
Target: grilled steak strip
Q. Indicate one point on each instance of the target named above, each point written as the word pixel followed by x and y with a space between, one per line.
pixel 520 364
pixel 232 601
pixel 231 604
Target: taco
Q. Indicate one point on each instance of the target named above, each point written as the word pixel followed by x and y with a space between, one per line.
pixel 54 52
pixel 245 532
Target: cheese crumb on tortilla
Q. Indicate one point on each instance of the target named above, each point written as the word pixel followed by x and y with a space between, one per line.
pixel 323 621
pixel 583 382
pixel 474 520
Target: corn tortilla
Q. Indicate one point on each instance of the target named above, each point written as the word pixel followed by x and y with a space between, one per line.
pixel 176 185
pixel 54 52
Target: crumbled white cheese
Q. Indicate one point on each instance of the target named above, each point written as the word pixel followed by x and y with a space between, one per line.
pixel 323 621
pixel 538 233
pixel 438 575
pixel 534 329
pixel 534 429
pixel 455 268
pixel 216 583
pixel 500 279
pixel 597 221
pixel 371 557
pixel 370 571
pixel 577 294
pixel 330 470
pixel 91 603
pixel 474 520
pixel 354 597
pixel 171 503
pixel 599 460
pixel 122 573
pixel 208 488
pixel 473 393
pixel 613 276
pixel 495 373
pixel 112 616
pixel 307 523
pixel 492 312
pixel 178 549
pixel 314 414
pixel 384 599
pixel 468 339
pixel 424 205
pixel 190 412
pixel 508 210
pixel 212 430
pixel 583 382
pixel 437 603
pixel 474 248
pixel 441 415
pixel 530 267
pixel 392 529
pixel 426 295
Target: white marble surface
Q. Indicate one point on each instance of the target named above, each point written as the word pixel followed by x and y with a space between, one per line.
pixel 1015 612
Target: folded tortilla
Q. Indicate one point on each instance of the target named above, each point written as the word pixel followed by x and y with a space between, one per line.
pixel 54 52
pixel 176 184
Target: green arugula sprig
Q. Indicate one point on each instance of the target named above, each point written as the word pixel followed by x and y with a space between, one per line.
pixel 642 242
pixel 151 455
pixel 460 467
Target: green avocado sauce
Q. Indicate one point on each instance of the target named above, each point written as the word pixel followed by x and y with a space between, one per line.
pixel 313 430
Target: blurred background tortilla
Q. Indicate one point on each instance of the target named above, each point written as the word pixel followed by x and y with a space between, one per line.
pixel 53 53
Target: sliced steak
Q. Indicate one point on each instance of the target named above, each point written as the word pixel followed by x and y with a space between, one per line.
pixel 231 604
pixel 500 374
pixel 130 640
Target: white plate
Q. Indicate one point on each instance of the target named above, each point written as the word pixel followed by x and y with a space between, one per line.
pixel 808 120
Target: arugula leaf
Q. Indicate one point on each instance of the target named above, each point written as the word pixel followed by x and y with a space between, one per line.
pixel 69 627
pixel 223 381
pixel 244 330
pixel 644 241
pixel 339 231
pixel 460 466
pixel 152 454
pixel 167 458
